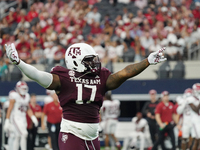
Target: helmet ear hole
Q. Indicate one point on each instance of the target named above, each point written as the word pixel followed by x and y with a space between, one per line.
pixel 75 63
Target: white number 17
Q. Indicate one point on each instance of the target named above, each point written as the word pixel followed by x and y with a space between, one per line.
pixel 80 93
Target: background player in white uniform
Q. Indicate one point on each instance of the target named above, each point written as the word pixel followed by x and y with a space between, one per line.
pixel 16 115
pixel 195 117
pixel 185 109
pixel 141 132
pixel 110 112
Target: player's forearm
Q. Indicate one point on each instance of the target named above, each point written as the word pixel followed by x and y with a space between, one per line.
pixel 175 118
pixel 116 79
pixel 42 119
pixel 135 69
pixel 43 78
pixel 30 112
pixel 10 108
pixel 38 114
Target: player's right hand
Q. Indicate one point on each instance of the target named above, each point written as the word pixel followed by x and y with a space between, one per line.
pixel 12 53
pixel 7 125
pixel 156 57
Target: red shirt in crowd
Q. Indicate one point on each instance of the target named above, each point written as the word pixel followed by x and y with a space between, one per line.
pixel 21 45
pixel 35 109
pixel 196 13
pixel 165 112
pixel 53 112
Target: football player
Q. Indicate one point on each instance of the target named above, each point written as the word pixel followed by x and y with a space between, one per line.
pixel 140 133
pixel 80 88
pixel 194 103
pixel 16 115
pixel 185 110
pixel 110 112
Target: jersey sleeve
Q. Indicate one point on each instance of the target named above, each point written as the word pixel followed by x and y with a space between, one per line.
pixel 12 95
pixel 58 70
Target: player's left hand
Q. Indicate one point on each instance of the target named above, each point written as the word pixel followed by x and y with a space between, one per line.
pixel 7 125
pixel 156 57
pixel 35 121
pixel 12 53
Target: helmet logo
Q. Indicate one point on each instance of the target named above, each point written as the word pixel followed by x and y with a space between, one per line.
pixel 74 51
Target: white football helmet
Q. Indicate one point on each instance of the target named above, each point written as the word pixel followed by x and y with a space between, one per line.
pixel 196 89
pixel 188 92
pixel 81 57
pixel 21 88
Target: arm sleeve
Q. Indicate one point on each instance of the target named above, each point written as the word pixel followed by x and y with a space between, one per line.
pixel 43 78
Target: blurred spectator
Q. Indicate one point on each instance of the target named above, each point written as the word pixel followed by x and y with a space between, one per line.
pixel 139 50
pixel 51 35
pixel 108 29
pixel 165 116
pixel 154 46
pixel 38 6
pixel 3 6
pixel 136 31
pixel 95 28
pixel 162 2
pixel 22 42
pixel 93 15
pixel 3 70
pixel 125 14
pixel 23 24
pixel 171 52
pixel 111 51
pixel 141 3
pixel 20 15
pixel 53 120
pixel 146 41
pixel 12 16
pixel 99 49
pixel 67 23
pixel 59 55
pixel 25 54
pixel 38 55
pixel 32 130
pixel 120 29
pixel 148 111
pixel 120 49
pixel 32 14
pixel 49 52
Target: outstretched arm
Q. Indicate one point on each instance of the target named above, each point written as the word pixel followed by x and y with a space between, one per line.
pixel 116 79
pixel 45 79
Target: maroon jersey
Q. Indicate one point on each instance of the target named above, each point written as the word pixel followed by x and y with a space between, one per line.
pixel 81 95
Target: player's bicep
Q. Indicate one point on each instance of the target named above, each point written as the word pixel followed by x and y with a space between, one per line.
pixel 55 85
pixel 11 103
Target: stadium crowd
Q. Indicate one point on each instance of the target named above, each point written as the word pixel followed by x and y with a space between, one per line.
pixel 119 31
